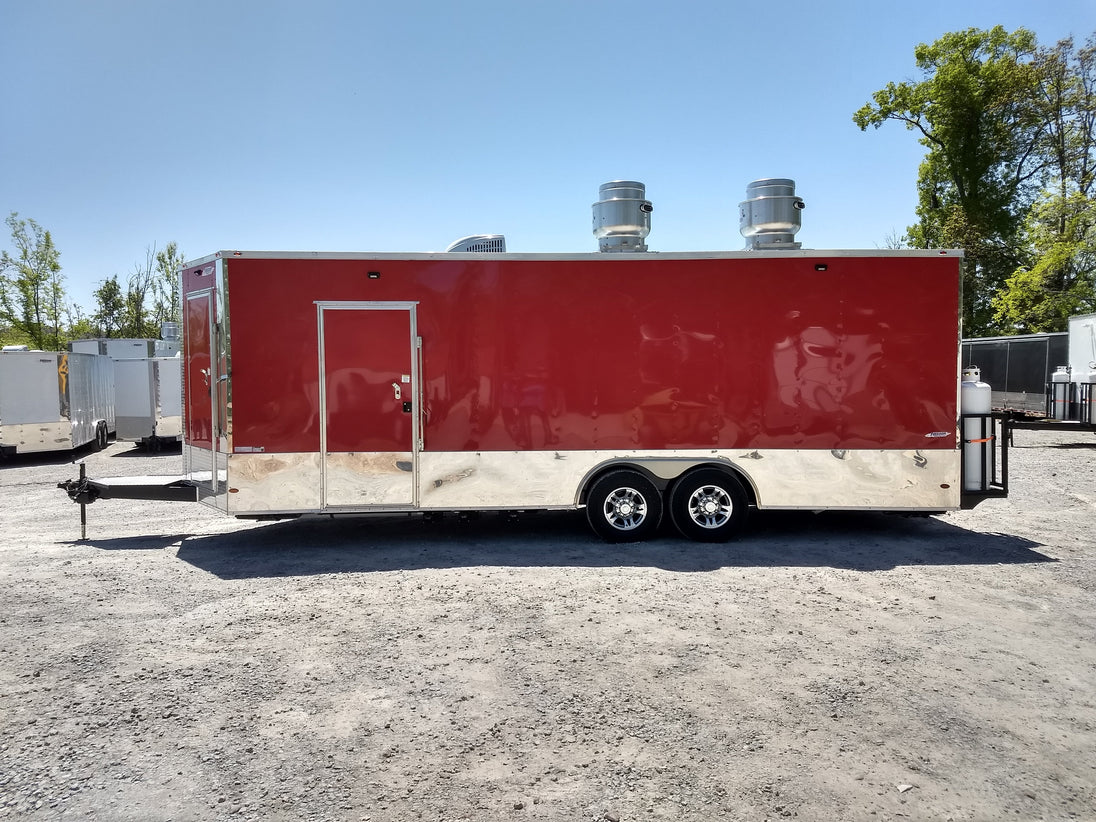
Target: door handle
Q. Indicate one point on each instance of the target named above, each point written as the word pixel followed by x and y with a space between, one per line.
pixel 396 392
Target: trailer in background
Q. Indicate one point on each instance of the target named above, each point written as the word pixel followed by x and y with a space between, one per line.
pixel 1082 369
pixel 149 400
pixel 1046 381
pixel 118 348
pixel 1017 367
pixel 54 401
pixel 148 384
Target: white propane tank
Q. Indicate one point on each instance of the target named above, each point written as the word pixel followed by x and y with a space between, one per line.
pixel 978 453
pixel 1086 397
pixel 1059 393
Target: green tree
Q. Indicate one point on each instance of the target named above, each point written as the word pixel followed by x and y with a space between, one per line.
pixel 1058 278
pixel 974 112
pixel 32 293
pixel 166 286
pixel 1060 282
pixel 109 317
pixel 137 322
pixel 150 297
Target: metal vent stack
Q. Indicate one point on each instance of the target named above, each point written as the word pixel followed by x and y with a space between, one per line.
pixel 622 216
pixel 769 217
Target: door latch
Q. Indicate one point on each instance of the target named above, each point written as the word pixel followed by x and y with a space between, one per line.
pixel 396 391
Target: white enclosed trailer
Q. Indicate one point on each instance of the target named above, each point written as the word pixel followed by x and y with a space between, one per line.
pixel 149 400
pixel 54 401
pixel 148 385
pixel 117 348
pixel 1082 367
pixel 1082 343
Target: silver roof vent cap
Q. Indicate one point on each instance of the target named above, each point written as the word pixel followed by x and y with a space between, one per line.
pixel 479 243
pixel 622 216
pixel 769 217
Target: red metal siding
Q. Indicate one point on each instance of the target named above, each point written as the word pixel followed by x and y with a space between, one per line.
pixel 367 354
pixel 622 354
pixel 198 361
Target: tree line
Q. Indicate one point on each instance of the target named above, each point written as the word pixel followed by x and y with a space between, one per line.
pixel 35 309
pixel 1010 132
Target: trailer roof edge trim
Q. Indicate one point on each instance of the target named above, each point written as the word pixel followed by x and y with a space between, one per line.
pixel 590 255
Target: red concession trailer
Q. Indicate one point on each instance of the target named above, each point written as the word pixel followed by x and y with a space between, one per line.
pixel 641 386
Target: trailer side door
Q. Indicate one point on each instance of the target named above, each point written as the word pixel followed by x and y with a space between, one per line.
pixel 202 390
pixel 369 404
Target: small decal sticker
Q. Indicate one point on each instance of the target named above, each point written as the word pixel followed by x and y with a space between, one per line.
pixel 936 435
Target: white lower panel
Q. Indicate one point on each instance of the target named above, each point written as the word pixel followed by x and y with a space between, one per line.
pixel 30 438
pixel 891 480
pixel 274 482
pixel 781 479
pixel 368 480
pixel 169 426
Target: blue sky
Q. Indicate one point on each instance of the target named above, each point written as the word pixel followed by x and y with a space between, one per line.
pixel 402 126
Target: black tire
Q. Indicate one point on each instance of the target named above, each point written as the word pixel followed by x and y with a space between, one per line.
pixel 624 506
pixel 708 505
pixel 100 441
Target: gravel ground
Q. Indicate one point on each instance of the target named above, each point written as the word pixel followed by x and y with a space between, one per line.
pixel 180 665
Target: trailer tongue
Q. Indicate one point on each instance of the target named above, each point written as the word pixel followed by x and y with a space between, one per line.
pixel 172 489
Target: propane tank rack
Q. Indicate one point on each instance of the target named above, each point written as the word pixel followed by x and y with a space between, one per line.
pixel 1070 406
pixel 986 440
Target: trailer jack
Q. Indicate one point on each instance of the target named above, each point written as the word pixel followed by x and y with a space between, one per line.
pixel 79 491
pixel 84 491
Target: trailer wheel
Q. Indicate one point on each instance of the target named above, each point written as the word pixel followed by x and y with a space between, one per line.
pixel 100 441
pixel 708 505
pixel 624 506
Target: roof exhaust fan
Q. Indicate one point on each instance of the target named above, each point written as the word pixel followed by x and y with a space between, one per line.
pixel 622 216
pixel 769 217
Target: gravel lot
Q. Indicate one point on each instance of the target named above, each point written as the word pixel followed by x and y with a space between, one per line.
pixel 179 665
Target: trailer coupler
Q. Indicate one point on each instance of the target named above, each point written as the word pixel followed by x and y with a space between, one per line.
pixel 79 490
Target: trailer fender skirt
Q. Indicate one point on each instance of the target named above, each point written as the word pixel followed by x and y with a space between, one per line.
pixel 168 489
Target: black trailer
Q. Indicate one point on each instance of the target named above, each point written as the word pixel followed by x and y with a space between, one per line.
pixel 1018 368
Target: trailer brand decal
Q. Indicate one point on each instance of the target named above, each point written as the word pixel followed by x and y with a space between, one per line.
pixel 936 435
pixel 62 372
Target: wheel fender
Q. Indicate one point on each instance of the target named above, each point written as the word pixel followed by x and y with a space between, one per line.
pixel 596 473
pixel 734 471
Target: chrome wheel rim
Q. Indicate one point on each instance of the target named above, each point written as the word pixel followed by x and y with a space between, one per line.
pixel 625 509
pixel 710 506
